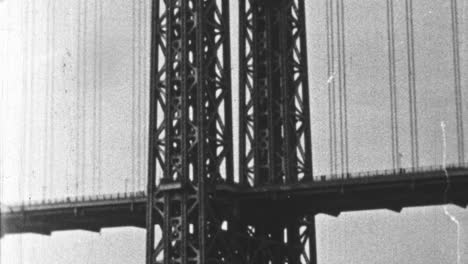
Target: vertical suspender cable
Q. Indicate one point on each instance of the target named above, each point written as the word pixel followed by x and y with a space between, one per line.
pixel 3 106
pixel 335 136
pixel 392 83
pixel 95 62
pixel 344 92
pixel 133 94
pixel 52 103
pixel 330 76
pixel 84 101
pixel 31 171
pixel 139 88
pixel 395 101
pixel 412 84
pixel 143 91
pixel 391 76
pixel 332 87
pixel 99 95
pixel 410 90
pixel 78 97
pixel 415 109
pixel 457 81
pixel 145 86
pixel 25 94
pixel 3 100
pixel 340 83
pixel 45 150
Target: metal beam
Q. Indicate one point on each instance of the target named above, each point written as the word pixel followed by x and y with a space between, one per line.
pixel 191 130
pixel 275 139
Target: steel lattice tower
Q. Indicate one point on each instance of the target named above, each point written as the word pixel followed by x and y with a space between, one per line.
pixel 202 217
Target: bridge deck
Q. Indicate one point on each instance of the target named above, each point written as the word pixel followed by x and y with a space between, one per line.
pixel 364 191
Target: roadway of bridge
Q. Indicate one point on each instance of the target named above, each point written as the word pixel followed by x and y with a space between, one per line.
pixel 329 195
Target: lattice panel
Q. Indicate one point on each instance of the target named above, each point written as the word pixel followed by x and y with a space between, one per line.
pixel 191 128
pixel 275 139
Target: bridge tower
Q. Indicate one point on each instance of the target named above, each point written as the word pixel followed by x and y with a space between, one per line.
pixel 192 195
pixel 275 136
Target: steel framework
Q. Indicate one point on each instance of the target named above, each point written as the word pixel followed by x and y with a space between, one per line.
pixel 190 153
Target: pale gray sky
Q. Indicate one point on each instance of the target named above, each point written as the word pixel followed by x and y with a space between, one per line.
pixel 423 235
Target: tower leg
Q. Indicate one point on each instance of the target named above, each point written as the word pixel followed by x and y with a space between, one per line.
pixel 311 235
pixel 190 149
pixel 275 138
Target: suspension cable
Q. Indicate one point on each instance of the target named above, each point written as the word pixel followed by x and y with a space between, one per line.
pixel 95 69
pixel 415 109
pixel 331 87
pixel 83 109
pixel 24 161
pixel 457 81
pixel 391 69
pixel 3 100
pixel 31 171
pixel 343 76
pixel 392 83
pixel 139 88
pixel 52 103
pixel 145 85
pixel 133 96
pixel 78 99
pixel 412 84
pixel 45 154
pixel 335 134
pixel 341 84
pixel 99 95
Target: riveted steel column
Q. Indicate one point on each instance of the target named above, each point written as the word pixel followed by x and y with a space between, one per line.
pixel 190 130
pixel 275 136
